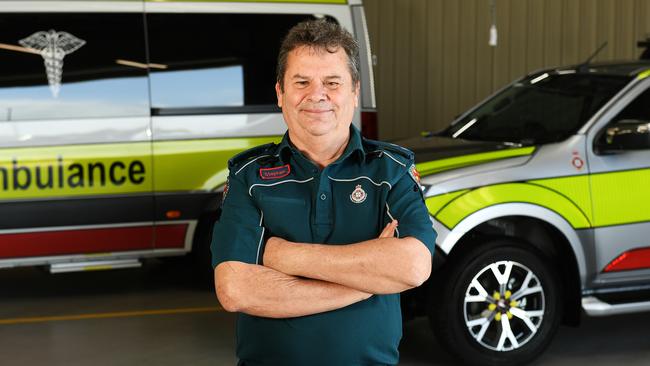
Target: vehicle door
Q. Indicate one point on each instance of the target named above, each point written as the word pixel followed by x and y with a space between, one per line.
pixel 620 181
pixel 75 142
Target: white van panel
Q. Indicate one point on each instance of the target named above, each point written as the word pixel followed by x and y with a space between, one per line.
pixel 215 126
pixel 74 131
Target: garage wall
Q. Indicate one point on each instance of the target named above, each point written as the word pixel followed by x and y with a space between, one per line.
pixel 434 61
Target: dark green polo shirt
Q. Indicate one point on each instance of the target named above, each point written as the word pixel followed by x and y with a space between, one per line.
pixel 275 191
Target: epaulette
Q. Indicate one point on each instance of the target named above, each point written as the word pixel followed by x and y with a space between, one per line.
pixel 374 147
pixel 252 153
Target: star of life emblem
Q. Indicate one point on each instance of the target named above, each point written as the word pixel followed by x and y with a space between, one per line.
pixel 358 195
pixel 53 46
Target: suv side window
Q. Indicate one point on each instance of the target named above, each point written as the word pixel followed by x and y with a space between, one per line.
pixel 215 62
pixel 638 109
pixel 76 65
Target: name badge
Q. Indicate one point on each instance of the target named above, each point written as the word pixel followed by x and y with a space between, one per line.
pixel 275 173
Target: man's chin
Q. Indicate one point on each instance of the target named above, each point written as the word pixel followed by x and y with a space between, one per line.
pixel 318 132
pixel 320 128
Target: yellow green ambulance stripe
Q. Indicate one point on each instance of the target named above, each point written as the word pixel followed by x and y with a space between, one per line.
pixel 198 164
pixel 435 203
pixel 482 197
pixel 643 75
pixel 574 188
pixel 46 172
pixel 121 168
pixel 436 166
pixel 618 202
pixel 614 202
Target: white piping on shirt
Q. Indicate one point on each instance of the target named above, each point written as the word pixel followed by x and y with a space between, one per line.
pixel 259 244
pixel 392 218
pixel 276 183
pixel 398 162
pixel 390 156
pixel 362 177
pixel 245 165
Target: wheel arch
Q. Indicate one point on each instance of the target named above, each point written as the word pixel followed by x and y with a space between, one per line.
pixel 534 225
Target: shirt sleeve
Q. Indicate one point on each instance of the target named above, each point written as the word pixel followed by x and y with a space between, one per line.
pixel 238 234
pixel 405 203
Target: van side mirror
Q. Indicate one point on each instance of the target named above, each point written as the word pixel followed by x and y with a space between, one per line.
pixel 624 135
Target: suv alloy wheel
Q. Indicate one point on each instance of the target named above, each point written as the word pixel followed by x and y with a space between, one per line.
pixel 498 304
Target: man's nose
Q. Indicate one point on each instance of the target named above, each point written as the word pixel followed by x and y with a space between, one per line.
pixel 317 92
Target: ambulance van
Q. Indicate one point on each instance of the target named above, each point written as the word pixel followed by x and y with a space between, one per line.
pixel 117 119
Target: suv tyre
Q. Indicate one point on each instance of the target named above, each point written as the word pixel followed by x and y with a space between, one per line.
pixel 498 304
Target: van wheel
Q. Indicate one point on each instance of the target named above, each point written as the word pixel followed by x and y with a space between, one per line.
pixel 498 304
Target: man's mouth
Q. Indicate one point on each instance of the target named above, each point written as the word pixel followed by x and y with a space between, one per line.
pixel 316 111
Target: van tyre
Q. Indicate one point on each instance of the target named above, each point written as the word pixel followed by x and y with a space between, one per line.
pixel 498 304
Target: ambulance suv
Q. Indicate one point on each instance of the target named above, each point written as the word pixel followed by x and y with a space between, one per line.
pixel 117 119
pixel 540 196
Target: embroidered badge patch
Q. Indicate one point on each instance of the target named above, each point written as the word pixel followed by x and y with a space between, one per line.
pixel 358 195
pixel 414 174
pixel 275 173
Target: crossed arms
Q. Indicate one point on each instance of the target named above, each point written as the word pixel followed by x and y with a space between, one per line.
pixel 300 279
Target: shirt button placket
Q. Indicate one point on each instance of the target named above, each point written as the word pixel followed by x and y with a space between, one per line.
pixel 323 206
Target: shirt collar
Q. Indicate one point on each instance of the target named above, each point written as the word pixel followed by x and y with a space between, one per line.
pixel 285 147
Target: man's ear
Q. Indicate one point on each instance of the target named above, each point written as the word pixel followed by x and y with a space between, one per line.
pixel 278 92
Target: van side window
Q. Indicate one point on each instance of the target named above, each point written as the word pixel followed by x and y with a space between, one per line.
pixel 638 109
pixel 215 63
pixel 76 65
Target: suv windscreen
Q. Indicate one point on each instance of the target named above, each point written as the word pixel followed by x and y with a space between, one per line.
pixel 538 109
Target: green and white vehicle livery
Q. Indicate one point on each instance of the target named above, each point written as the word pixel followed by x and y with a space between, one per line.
pixel 540 196
pixel 117 120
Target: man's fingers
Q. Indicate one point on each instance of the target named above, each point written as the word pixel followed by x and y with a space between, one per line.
pixel 389 230
pixel 386 232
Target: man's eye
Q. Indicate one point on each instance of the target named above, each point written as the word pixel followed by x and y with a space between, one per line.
pixel 301 83
pixel 333 84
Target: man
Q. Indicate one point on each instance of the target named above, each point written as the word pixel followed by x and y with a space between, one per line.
pixel 320 233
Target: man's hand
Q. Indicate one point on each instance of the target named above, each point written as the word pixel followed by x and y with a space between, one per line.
pixel 261 291
pixel 389 230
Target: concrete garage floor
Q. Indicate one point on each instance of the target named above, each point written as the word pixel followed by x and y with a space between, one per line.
pixel 160 316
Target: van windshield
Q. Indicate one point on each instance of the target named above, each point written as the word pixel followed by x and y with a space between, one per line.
pixel 542 108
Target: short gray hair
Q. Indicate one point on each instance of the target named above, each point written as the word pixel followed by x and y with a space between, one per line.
pixel 321 35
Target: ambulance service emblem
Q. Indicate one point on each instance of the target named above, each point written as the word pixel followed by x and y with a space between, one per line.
pixel 358 195
pixel 413 172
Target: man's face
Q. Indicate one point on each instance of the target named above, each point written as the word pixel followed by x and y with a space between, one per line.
pixel 319 97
